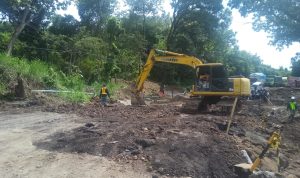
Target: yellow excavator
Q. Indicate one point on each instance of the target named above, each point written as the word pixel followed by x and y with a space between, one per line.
pixel 211 81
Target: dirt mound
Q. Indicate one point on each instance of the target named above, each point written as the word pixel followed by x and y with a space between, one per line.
pixel 151 88
pixel 172 143
pixel 281 95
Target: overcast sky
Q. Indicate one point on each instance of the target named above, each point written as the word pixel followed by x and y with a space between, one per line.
pixel 248 39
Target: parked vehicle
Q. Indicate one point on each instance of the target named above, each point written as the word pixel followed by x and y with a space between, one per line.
pixel 259 92
pixel 270 81
pixel 257 77
pixel 275 81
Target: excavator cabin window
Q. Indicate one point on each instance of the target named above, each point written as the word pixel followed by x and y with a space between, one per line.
pixel 211 78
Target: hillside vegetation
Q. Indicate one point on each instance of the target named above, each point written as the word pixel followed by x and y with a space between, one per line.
pixel 37 74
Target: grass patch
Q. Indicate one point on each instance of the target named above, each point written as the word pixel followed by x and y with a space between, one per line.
pixel 75 96
pixel 46 76
pixel 31 70
pixel 38 70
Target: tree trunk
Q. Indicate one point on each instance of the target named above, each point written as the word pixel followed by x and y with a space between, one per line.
pixel 17 32
pixel 20 89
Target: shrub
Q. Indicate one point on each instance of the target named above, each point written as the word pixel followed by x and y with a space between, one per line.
pixel 3 89
pixel 38 70
pixel 75 96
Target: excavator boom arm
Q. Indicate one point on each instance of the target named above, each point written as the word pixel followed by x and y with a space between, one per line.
pixel 167 57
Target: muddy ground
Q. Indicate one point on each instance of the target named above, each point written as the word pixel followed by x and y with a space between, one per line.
pixel 21 128
pixel 169 142
pixel 162 140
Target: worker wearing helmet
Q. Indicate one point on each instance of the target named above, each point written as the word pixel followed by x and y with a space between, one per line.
pixel 104 93
pixel 204 79
pixel 292 107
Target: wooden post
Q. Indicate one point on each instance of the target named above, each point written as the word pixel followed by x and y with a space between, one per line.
pixel 231 114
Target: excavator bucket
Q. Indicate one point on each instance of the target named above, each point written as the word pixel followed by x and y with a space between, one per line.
pixel 242 170
pixel 137 99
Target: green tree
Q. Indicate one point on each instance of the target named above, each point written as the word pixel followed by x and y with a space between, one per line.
pixel 94 13
pixel 113 31
pixel 91 57
pixel 198 28
pixel 5 34
pixel 283 72
pixel 144 8
pixel 296 65
pixel 64 25
pixel 241 62
pixel 194 25
pixel 57 49
pixel 279 18
pixel 22 13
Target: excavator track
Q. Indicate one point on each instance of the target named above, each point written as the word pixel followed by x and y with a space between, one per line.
pixel 190 106
pixel 199 105
pixel 226 104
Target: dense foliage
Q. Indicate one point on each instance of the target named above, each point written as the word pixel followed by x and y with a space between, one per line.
pixel 296 65
pixel 108 43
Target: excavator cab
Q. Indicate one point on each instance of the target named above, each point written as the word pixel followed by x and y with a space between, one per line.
pixel 212 81
pixel 212 78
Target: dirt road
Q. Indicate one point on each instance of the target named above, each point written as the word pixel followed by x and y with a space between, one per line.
pixel 19 157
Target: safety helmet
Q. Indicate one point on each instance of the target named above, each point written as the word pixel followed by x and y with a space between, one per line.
pixel 292 98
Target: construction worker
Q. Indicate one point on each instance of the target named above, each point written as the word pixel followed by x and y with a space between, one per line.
pixel 104 93
pixel 292 107
pixel 161 92
pixel 204 79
